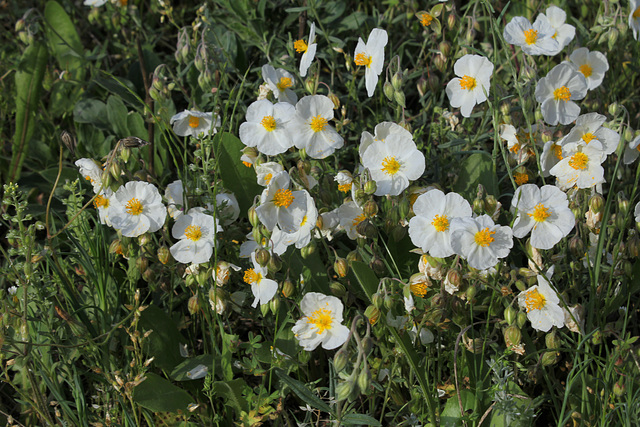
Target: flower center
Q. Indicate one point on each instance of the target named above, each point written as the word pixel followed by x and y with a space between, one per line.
pixel 300 46
pixel 247 164
pixel 636 13
pixel 357 220
pixel 535 300
pixel 530 36
pixel 419 289
pixel 363 59
pixel 269 123
pixel 484 237
pixel 193 232
pixel 283 198
pixel 284 83
pixel 101 201
pixel 88 178
pixel 322 319
pixel 557 150
pixel 318 123
pixel 194 121
pixel 540 213
pixel 344 187
pixel 440 222
pixel 521 178
pixel 390 165
pixel 425 19
pixel 250 276
pixel 267 178
pixel 468 83
pixel 588 137
pixel 579 161
pixel 562 93
pixel 586 70
pixel 134 207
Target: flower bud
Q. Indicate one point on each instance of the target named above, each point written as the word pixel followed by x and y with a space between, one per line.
pixel 510 314
pixel 370 187
pixel 490 204
pixel 614 108
pixel 377 300
pixel 553 341
pixel 471 292
pixel 512 336
pixel 341 267
pixel 264 309
pixel 370 208
pixel 274 304
pixel 344 389
pixel 576 246
pixel 377 265
pixel 337 289
pixel 633 246
pixel 596 203
pixel 262 257
pixel 619 389
pixel 628 134
pixel 623 203
pixel 454 278
pixel 288 288
pixel 308 250
pixel 194 304
pixel 367 229
pixel 521 319
pixel 445 48
pixel 388 302
pixel 367 345
pixel 310 86
pixel 340 360
pixel 440 62
pixel 275 263
pixel 163 254
pixel 549 358
pixel 400 98
pixel 422 86
pixel 372 313
pixel 451 20
pixel 434 83
pixel 353 256
pixel 478 206
pixel 364 379
pixel 388 91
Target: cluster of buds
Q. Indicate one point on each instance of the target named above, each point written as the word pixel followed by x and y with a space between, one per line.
pixel 359 380
pixel 161 87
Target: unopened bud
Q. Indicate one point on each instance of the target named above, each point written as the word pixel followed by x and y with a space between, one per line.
pixel 521 319
pixel 341 267
pixel 370 208
pixel 471 292
pixel 370 187
pixel 353 256
pixel 340 360
pixel 396 81
pixel 116 247
pixel 451 20
pixel 388 91
pixel 274 304
pixel 344 389
pixel 367 345
pixel 310 85
pixel 490 204
pixel 372 313
pixel 549 358
pixel 614 109
pixel 288 288
pixel 478 206
pixel 364 379
pixel 275 263
pixel 619 389
pixel 337 289
pixel 454 277
pixel 262 257
pixel 367 229
pixel 308 250
pixel 400 98
pixel 144 240
pixel 553 341
pixel 264 309
pixel 422 86
pixel 445 48
pixel 194 304
pixel 163 254
pixel 628 134
pixel 512 336
pixel 377 265
pixel 434 83
pixel 440 62
pixel 596 203
pixel 510 314
pixel 623 203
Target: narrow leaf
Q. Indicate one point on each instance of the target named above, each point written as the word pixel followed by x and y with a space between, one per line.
pixel 302 391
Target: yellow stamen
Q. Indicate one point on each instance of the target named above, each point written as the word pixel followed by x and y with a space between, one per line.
pixel 540 213
pixel 530 36
pixel 586 70
pixel 579 161
pixel 193 232
pixel 345 188
pixel 194 121
pixel 300 46
pixel 318 123
pixel 363 59
pixel 535 300
pixel 557 150
pixel 304 221
pixel 419 289
pixel 390 165
pixel 134 207
pixel 357 220
pixel 284 83
pixel 101 201
pixel 440 223
pixel 562 93
pixel 515 148
pixel 588 137
pixel 250 276
pixel 636 13
pixel 521 178
pixel 283 198
pixel 267 178
pixel 468 83
pixel 425 19
pixel 247 164
pixel 322 319
pixel 269 123
pixel 484 237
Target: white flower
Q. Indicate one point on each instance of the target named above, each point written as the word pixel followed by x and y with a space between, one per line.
pixel 197 234
pixel 592 65
pixel 94 3
pixel 322 322
pixel 589 130
pixel 430 228
pixel 536 39
pixel 350 215
pixel 266 171
pixel 137 208
pixel 311 129
pixel 174 194
pixel 551 155
pixel 393 162
pixel 344 180
pixel 300 234
pixel 518 150
pixel 279 205
pixel 580 167
pixel 90 170
pixel 228 207
pixel 557 91
pixel 480 241
pixel 634 17
pixel 308 50
pixel 222 272
pixel 194 123
pixel 541 303
pixel 574 318
pixel 564 32
pixel 280 82
pixel 266 127
pixel 472 85
pixel 249 246
pixel 382 131
pixel 371 56
pixel 636 212
pixel 544 212
pixel 632 150
pixel 102 202
pixel 263 289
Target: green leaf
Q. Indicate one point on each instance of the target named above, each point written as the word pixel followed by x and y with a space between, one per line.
pixel 302 391
pixel 476 169
pixel 451 416
pixel 165 340
pixel 366 277
pixel 231 392
pixel 236 177
pixel 136 127
pixel 312 270
pixel 91 111
pixel 186 370
pixel 117 114
pixel 122 88
pixel 160 395
pixel 359 419
pixel 28 81
pixel 64 39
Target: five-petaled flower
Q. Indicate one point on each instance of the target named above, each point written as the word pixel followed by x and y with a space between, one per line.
pixel 472 85
pixel 371 56
pixel 322 322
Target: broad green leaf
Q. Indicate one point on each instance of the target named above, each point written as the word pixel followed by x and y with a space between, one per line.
pixel 451 416
pixel 165 340
pixel 117 114
pixel 122 88
pixel 236 177
pixel 136 127
pixel 312 270
pixel 28 81
pixel 231 392
pixel 191 367
pixel 91 111
pixel 64 39
pixel 360 420
pixel 302 391
pixel 366 277
pixel 160 395
pixel 476 169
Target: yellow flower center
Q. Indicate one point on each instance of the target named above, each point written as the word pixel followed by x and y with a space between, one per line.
pixel 88 178
pixel 535 300
pixel 562 93
pixel 521 178
pixel 419 289
pixel 344 187
pixel 283 198
pixel 247 164
pixel 484 237
pixel 440 223
pixel 557 150
pixel 250 276
pixel 284 83
pixel 300 46
pixel 194 121
pixel 586 70
pixel 193 232
pixel 514 148
pixel 269 123
pixel 540 213
pixel 425 19
pixel 134 207
pixel 267 178
pixel 588 137
pixel 321 319
pixel 101 201
pixel 357 220
pixel 530 36
pixel 318 123
pixel 468 83
pixel 222 274
pixel 636 13
pixel 363 59
pixel 579 161
pixel 390 165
